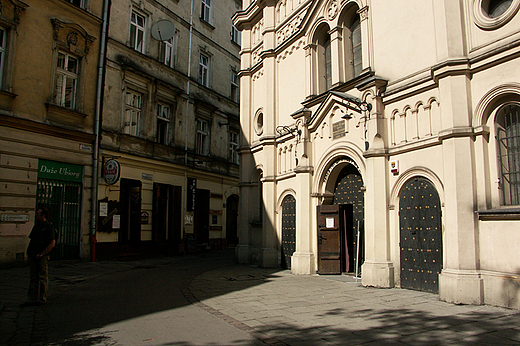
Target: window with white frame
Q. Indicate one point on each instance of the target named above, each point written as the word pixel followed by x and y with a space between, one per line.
pixel 206 11
pixel 132 112
pixel 67 75
pixel 235 87
pixel 169 51
pixel 508 137
pixel 163 124
pixel 79 3
pixel 235 34
pixel 3 51
pixel 233 147
pixel 204 70
pixel 137 29
pixel 202 145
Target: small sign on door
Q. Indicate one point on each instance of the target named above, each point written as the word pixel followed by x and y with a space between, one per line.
pixel 330 222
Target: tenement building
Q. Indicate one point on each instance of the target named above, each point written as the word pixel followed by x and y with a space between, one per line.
pixel 168 154
pixel 381 138
pixel 49 58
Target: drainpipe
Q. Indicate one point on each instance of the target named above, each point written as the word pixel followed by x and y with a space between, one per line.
pixel 97 121
pixel 184 200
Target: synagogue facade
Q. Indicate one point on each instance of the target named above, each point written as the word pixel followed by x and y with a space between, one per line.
pixel 381 139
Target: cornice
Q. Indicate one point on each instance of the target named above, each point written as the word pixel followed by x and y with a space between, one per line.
pixel 45 129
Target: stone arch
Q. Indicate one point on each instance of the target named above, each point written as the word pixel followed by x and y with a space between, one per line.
pixel 492 99
pixel 332 163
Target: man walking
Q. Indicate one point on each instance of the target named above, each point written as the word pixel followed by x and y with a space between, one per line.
pixel 43 240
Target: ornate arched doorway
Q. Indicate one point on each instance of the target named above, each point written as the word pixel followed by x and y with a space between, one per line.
pixel 420 235
pixel 288 230
pixel 340 224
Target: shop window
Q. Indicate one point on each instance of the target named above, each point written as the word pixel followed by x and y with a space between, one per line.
pixel 132 112
pixel 508 138
pixel 137 31
pixel 202 144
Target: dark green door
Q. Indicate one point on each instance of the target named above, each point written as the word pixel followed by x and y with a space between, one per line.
pixel 420 236
pixel 288 230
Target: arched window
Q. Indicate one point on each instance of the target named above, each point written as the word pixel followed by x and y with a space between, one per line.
pixel 353 56
pixel 323 60
pixel 508 136
pixel 357 55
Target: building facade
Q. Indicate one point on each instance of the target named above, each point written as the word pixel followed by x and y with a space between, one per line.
pixel 170 129
pixel 49 58
pixel 380 138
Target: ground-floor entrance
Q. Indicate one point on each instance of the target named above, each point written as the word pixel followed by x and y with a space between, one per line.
pixel 420 236
pixel 340 225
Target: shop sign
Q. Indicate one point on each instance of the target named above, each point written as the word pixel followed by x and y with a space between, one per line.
pixel 111 171
pixel 144 217
pixel 59 171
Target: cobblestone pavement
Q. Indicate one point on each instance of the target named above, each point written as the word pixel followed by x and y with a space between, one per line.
pixel 279 308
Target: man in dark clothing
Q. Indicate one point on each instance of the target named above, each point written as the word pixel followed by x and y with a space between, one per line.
pixel 43 240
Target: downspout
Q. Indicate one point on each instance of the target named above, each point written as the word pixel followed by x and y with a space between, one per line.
pixel 97 121
pixel 185 200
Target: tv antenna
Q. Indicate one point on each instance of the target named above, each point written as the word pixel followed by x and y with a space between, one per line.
pixel 163 30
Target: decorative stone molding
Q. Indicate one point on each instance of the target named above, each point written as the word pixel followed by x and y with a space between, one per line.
pixel 363 13
pixel 483 19
pixel 332 10
pixel 288 29
pixel 72 36
pixel 291 50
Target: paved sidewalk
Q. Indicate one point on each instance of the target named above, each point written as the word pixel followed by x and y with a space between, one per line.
pixel 283 309
pixel 279 308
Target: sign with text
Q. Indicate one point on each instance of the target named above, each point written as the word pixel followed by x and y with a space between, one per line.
pixel 338 130
pixel 59 171
pixel 192 187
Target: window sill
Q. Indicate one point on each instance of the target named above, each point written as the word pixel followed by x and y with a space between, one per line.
pixel 6 100
pixel 499 214
pixel 64 115
pixel 208 24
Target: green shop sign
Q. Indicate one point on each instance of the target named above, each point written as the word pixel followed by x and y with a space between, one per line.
pixel 59 171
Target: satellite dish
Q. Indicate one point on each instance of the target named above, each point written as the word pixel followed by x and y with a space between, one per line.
pixel 163 30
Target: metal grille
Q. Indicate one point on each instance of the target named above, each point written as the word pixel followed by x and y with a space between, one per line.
pixel 508 118
pixel 63 199
pixel 288 230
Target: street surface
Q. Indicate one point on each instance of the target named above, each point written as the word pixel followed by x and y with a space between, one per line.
pixel 208 300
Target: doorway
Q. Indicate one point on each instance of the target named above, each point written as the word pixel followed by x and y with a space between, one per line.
pixel 288 231
pixel 420 236
pixel 232 220
pixel 130 201
pixel 167 226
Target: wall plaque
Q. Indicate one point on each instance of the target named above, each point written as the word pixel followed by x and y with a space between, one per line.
pixel 338 129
